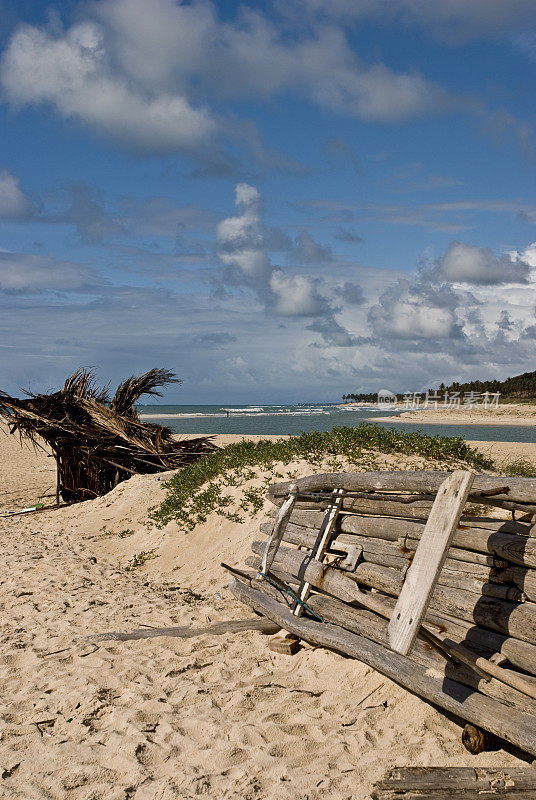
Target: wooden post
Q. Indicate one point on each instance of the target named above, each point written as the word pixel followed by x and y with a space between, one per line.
pixel 430 555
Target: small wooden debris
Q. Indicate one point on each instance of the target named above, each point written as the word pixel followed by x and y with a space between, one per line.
pixel 467 783
pixel 287 645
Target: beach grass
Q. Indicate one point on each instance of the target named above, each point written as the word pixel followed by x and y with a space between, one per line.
pixel 198 488
pixel 521 467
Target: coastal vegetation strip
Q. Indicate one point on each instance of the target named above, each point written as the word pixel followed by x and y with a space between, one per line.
pixel 199 488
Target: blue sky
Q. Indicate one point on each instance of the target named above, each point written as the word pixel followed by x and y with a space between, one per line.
pixel 278 201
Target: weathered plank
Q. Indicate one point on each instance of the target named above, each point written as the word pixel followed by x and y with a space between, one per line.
pixel 469 783
pixel 423 573
pixel 279 528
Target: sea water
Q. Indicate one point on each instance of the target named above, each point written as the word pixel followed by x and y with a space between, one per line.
pixel 293 419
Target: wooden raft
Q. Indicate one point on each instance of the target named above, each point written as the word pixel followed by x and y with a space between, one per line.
pixel 415 574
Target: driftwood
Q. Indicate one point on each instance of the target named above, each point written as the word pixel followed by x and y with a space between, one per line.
pixel 289 563
pixel 520 490
pixel 476 620
pixel 216 629
pixel 514 619
pixel 508 723
pixel 456 783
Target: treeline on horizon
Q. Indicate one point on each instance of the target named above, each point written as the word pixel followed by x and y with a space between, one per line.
pixel 520 387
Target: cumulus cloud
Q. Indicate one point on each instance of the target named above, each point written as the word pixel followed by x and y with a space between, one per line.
pixel 463 263
pixel 295 295
pixel 140 73
pixel 351 293
pixel 243 247
pixel 73 72
pixel 415 312
pixel 14 204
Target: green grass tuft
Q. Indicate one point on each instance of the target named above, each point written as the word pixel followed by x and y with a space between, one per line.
pixel 196 490
pixel 521 467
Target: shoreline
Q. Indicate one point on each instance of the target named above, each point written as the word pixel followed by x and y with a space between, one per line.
pixel 506 422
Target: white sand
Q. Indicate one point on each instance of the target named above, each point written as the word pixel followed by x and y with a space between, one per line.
pixel 170 718
pixel 505 414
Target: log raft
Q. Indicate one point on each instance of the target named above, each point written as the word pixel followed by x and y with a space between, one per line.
pixel 475 652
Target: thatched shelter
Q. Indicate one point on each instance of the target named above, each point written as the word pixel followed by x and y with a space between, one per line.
pixel 98 441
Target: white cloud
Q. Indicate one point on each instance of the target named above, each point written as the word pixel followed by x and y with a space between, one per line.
pixel 464 263
pixel 243 246
pixel 73 72
pixel 30 273
pixel 14 204
pixel 455 21
pixel 144 73
pixel 413 312
pixel 296 295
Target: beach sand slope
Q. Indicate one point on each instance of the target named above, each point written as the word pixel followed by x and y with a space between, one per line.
pixel 163 718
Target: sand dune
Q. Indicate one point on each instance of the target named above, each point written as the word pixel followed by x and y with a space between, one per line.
pixel 163 718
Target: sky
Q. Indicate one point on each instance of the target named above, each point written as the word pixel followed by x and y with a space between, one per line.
pixel 279 201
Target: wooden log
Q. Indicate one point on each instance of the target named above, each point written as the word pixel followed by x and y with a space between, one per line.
pixel 287 645
pixel 509 546
pixel 513 619
pixel 418 510
pixel 521 490
pixel 476 741
pixel 393 528
pixel 519 653
pixel 185 632
pixel 523 578
pixel 508 723
pixel 456 783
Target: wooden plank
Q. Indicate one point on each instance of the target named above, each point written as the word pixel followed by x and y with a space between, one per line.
pixel 321 545
pixel 508 723
pixel 430 555
pixel 469 783
pixel 279 528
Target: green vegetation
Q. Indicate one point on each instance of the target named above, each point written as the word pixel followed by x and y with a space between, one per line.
pixel 125 533
pixel 196 490
pixel 138 559
pixel 520 387
pixel 519 466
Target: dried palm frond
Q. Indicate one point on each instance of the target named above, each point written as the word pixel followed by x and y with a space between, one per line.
pixel 97 442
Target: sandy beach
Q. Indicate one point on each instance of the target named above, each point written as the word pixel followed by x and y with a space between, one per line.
pixel 163 718
pixel 505 414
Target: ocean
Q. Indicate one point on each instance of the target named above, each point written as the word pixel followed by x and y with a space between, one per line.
pixel 293 419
